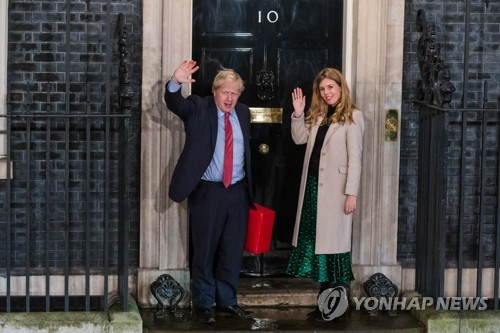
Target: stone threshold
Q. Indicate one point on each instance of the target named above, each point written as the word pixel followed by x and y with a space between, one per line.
pixel 277 292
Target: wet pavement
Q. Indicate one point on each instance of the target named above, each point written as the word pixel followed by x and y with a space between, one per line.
pixel 286 320
pixel 281 305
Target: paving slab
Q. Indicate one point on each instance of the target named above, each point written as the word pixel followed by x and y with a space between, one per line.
pixel 283 319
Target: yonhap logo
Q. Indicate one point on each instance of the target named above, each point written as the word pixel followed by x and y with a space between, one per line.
pixel 420 303
pixel 333 303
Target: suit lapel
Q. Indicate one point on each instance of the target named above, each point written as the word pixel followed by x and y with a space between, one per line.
pixel 242 118
pixel 212 115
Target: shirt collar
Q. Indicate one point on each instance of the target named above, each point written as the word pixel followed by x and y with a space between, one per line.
pixel 221 113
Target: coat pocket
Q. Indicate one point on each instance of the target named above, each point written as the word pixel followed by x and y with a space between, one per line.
pixel 342 168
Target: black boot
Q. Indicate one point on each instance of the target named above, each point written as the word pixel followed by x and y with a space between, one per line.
pixel 347 292
pixel 316 314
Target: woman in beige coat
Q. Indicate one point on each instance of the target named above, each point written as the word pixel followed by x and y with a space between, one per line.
pixel 333 131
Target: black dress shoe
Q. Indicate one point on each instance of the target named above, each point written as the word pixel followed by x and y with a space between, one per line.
pixel 205 315
pixel 314 314
pixel 317 316
pixel 235 311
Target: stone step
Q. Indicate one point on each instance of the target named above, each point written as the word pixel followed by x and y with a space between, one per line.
pixel 281 305
pixel 266 292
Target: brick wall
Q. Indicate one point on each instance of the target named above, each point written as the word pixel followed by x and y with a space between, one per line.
pixel 37 54
pixel 449 19
pixel 42 35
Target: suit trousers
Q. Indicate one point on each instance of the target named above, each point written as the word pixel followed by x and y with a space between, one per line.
pixel 218 224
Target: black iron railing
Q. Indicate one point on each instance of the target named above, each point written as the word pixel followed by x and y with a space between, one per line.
pixel 65 211
pixel 431 201
pixel 458 208
pixel 65 200
pixel 458 214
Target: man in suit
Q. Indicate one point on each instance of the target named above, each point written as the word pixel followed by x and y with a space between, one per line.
pixel 219 194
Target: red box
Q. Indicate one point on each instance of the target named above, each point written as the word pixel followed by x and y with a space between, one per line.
pixel 260 229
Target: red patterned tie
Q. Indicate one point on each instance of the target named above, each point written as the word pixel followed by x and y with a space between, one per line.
pixel 227 173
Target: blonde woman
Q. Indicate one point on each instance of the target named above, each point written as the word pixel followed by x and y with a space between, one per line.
pixel 333 131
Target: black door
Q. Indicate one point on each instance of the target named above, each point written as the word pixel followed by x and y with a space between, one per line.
pixel 275 45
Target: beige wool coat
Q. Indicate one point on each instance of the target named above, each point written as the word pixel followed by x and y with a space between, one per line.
pixel 339 175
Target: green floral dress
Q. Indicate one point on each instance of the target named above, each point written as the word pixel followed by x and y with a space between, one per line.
pixel 335 268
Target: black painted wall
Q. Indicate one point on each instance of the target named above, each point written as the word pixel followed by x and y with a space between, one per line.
pixel 484 65
pixel 37 45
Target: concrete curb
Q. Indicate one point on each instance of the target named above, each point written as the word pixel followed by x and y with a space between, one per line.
pixel 112 321
pixel 124 322
pixel 441 321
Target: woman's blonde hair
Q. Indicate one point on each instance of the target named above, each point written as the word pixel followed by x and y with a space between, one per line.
pixel 225 75
pixel 343 109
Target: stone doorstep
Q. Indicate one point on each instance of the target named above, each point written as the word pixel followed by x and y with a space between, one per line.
pixel 277 292
pixel 285 302
pixel 276 300
pixel 113 321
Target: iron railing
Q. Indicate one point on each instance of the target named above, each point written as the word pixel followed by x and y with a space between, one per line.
pixel 458 215
pixel 64 209
pixel 458 208
pixel 65 200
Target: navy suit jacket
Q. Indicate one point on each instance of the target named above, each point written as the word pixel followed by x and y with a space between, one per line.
pixel 199 116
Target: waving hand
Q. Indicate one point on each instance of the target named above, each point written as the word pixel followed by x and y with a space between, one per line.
pixel 182 74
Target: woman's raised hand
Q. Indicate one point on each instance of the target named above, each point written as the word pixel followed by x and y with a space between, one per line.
pixel 299 102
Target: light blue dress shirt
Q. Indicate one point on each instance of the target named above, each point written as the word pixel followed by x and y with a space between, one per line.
pixel 216 166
